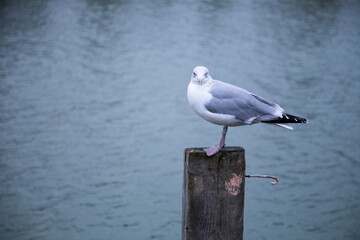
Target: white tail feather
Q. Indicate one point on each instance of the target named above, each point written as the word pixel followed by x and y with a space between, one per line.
pixel 284 126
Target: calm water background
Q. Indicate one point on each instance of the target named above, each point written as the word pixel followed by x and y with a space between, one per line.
pixel 94 116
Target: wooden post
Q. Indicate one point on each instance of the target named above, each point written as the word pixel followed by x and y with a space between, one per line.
pixel 213 194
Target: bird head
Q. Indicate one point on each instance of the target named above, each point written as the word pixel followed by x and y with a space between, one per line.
pixel 200 75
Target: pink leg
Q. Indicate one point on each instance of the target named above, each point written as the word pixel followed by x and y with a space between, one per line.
pixel 216 148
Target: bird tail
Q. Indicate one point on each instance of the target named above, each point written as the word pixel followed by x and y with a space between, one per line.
pixel 286 118
pixel 284 126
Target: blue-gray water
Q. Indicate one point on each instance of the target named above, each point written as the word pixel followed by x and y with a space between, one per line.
pixel 94 116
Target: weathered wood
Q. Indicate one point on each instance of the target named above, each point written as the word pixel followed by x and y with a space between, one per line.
pixel 213 194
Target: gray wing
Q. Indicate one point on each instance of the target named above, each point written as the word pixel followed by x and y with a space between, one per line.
pixel 245 106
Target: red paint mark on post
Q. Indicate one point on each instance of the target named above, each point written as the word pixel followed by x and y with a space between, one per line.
pixel 233 186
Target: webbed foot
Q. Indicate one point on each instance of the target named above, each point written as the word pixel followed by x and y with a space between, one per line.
pixel 212 150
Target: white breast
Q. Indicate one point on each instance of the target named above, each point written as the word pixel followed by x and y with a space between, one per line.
pixel 198 97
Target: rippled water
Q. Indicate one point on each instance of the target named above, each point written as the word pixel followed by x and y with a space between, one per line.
pixel 94 116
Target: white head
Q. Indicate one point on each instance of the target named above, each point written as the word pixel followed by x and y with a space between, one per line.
pixel 200 75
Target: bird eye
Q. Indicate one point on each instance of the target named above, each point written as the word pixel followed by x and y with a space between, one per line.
pixel 206 74
pixel 194 74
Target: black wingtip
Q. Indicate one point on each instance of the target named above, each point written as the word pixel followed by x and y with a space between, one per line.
pixel 288 118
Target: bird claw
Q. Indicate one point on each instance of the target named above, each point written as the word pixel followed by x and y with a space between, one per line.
pixel 212 150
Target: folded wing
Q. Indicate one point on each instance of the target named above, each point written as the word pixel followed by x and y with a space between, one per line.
pixel 246 107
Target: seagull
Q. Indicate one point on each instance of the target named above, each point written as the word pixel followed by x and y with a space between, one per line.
pixel 228 105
